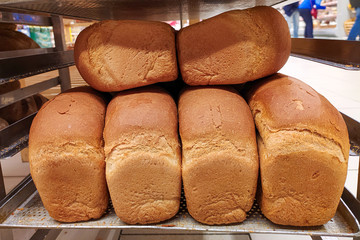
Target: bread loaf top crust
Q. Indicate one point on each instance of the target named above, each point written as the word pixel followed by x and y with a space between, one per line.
pixel 205 117
pixel 283 103
pixel 234 47
pixel 77 114
pixel 118 55
pixel 149 110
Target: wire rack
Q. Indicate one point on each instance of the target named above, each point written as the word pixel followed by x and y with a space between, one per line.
pixel 32 214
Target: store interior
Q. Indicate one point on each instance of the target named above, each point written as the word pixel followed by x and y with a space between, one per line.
pixel 340 86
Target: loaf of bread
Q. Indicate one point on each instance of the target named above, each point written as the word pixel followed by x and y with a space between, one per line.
pixel 234 47
pixel 303 147
pixel 117 55
pixel 143 165
pixel 19 109
pixel 3 123
pixel 219 154
pixel 10 39
pixel 66 154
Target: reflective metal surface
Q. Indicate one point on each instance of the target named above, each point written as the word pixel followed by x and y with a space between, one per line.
pixel 17 196
pixel 354 133
pixel 60 45
pixel 15 137
pixel 25 52
pixel 31 214
pixel 159 10
pixel 338 53
pixel 22 93
pixel 35 64
pixel 20 18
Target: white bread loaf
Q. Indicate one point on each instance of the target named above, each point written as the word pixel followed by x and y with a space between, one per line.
pixel 67 157
pixel 143 168
pixel 219 154
pixel 303 147
pixel 117 55
pixel 234 47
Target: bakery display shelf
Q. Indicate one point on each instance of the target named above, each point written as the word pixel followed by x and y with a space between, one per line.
pixel 160 10
pixel 24 18
pixel 354 135
pixel 329 4
pixel 15 137
pixel 25 52
pixel 22 93
pixel 328 52
pixel 32 214
pixel 34 64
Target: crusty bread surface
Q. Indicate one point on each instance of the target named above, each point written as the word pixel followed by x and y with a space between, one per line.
pixel 143 168
pixel 117 55
pixel 303 147
pixel 219 154
pixel 234 47
pixel 67 161
pixel 14 40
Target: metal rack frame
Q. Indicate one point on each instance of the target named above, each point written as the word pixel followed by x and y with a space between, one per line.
pixel 32 62
pixel 36 61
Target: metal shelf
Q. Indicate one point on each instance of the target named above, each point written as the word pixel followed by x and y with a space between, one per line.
pixel 34 64
pixel 159 10
pixel 22 208
pixel 15 137
pixel 32 214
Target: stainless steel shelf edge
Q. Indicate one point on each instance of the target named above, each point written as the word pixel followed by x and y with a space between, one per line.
pixel 337 53
pixel 158 10
pixel 25 52
pixel 22 93
pixel 32 65
pixel 32 214
pixel 17 196
pixel 21 18
pixel 354 133
pixel 15 137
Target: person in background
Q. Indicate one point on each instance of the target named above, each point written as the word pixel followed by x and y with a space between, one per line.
pixel 292 15
pixel 355 30
pixel 305 12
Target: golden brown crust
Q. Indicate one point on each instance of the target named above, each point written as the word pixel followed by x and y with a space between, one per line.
pixel 118 55
pixel 220 162
pixel 303 148
pixel 234 47
pixel 143 168
pixel 69 110
pixel 287 103
pixel 19 109
pixel 67 157
pixel 14 40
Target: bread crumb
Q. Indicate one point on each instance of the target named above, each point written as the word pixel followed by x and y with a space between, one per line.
pixel 168 225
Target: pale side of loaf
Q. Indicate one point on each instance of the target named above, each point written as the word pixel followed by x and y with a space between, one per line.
pixel 219 154
pixel 67 160
pixel 143 165
pixel 117 55
pixel 234 47
pixel 303 147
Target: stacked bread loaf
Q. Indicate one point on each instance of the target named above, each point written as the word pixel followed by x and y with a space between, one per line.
pixel 302 140
pixel 117 55
pixel 220 161
pixel 143 168
pixel 66 155
pixel 303 147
